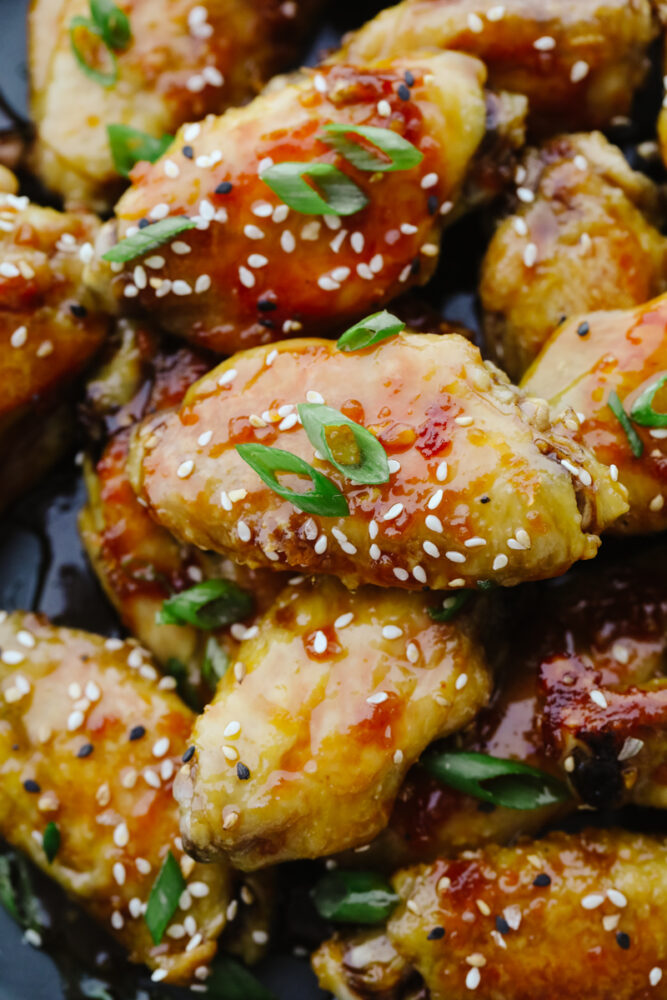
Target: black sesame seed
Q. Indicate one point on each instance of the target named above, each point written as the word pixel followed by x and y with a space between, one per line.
pixel 403 92
pixel 15 746
pixel 415 265
pixel 188 152
pixel 85 750
pixel 502 926
pixel 409 78
pixel 436 934
pixel 266 305
pixel 485 499
pixel 188 755
pixel 542 881
pixel 242 771
pixel 623 940
pixel 31 786
pixel 583 329
pixel 268 323
pixel 561 320
pixel 224 188
pixel 137 732
pixel 432 204
pixel 78 310
pixel 142 223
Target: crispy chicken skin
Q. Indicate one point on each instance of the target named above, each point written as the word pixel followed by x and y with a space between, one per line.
pixel 90 740
pixel 588 358
pixel 583 235
pixel 254 270
pixel 567 916
pixel 310 735
pixel 578 62
pixel 184 61
pixel 49 331
pixel 480 493
pixel 138 562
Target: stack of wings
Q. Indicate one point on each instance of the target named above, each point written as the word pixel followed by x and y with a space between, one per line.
pixel 331 524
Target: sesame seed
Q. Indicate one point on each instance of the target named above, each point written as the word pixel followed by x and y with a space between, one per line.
pixel 525 194
pixel 617 898
pixel 320 642
pixel 544 44
pixel 495 13
pixel 473 979
pixel 227 376
pixel 435 500
pixel 199 889
pixel 430 549
pixel 121 835
pixel 655 975
pixel 530 255
pixel 455 557
pixel 393 465
pixel 9 271
pixel 378 698
pixel 204 438
pixel 243 531
pixel 463 421
pixel 321 545
pixel 433 523
pixel 393 512
pixel 384 108
pixel 441 472
pixel 230 820
pixel 599 699
pixel 160 747
pixel 158 975
pixel 19 336
pixel 391 632
pixel 374 552
pixel 429 181
pixel 327 284
pixel 202 284
pixel 630 748
pixel 500 562
pixel 230 753
pixel 401 574
pixel 461 682
pixel 185 469
pixel 592 901
pixel 579 71
pixel 657 503
pixel 74 721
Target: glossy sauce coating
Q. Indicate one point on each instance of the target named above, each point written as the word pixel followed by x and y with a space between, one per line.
pixel 584 235
pixel 478 489
pixel 86 724
pixel 184 61
pixel 49 330
pixel 255 270
pixel 328 704
pixel 579 62
pixel 588 358
pixel 138 562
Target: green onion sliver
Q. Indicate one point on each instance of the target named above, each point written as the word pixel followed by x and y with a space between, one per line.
pixel 642 411
pixel 354 897
pixel 373 466
pixel 450 607
pixel 130 146
pixel 399 153
pixel 113 24
pixel 325 499
pixel 633 437
pixel 507 783
pixel 164 897
pixel 340 195
pixel 215 664
pixel 370 331
pixel 51 841
pixel 148 239
pixel 209 604
pixel 99 76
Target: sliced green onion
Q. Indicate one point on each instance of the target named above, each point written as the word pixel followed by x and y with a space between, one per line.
pixel 147 239
pixel 164 897
pixel 370 331
pixel 130 146
pixel 51 841
pixel 113 24
pixel 209 604
pixel 17 893
pixel 506 783
pixel 215 664
pixel 341 195
pixel 105 79
pixel 400 154
pixel 229 980
pixel 354 897
pixel 642 411
pixel 450 606
pixel 373 466
pixel 326 499
pixel 633 437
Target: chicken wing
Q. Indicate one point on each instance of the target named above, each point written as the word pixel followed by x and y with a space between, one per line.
pixel 579 62
pixel 587 360
pixel 567 916
pixel 139 564
pixel 255 270
pixel 584 235
pixel 49 330
pixel 89 740
pixel 481 485
pixel 329 703
pixel 182 62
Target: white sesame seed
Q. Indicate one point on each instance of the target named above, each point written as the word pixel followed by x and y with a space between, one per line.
pixel 391 632
pixel 630 748
pixel 12 657
pixel 544 44
pixel 180 287
pixel 378 698
pixel 463 421
pixel 357 242
pixel 579 71
pixel 119 873
pixel 185 469
pixel 202 284
pixel 337 242
pixel 441 472
pixel 19 336
pixel 495 13
pixel 473 979
pixel 433 523
pixel 384 108
pixel 430 549
pixel 26 638
pixel 398 757
pixel 461 682
pixel 340 273
pixel 655 975
pixel 74 690
pixel 657 503
pixel 419 574
pixel 401 574
pixel 321 545
pixel 475 542
pixel 204 438
pixel 161 746
pixel 344 620
pixel 327 284
pixel 435 500
pixel 260 937
pixel 180 248
pixel 243 531
pixel 525 194
pixel 580 162
pixel 121 835
pixel 230 753
pixel 530 255
pixel 151 777
pixel 476 25
pixel 257 260
pixel 429 181
pixel 374 552
pixel 617 898
pixel 364 271
pixel 74 721
pixel 199 889
pixel 320 642
pixel 158 975
pixel 9 270
pixel 412 652
pixel 393 512
pixel 393 465
pixel 227 376
pixel 599 699
pixel 500 562
pixel 592 901
pixel 455 557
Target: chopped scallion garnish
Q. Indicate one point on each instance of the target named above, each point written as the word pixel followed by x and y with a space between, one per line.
pixel 340 195
pixel 354 897
pixel 399 153
pixel 164 897
pixel 450 607
pixel 325 499
pixel 633 437
pixel 130 146
pixel 207 605
pixel 51 841
pixel 329 429
pixel 370 331
pixel 642 411
pixel 501 782
pixel 147 239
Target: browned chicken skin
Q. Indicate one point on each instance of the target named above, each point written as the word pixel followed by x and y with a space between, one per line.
pixel 329 702
pixel 578 62
pixel 568 916
pixel 584 235
pixel 478 489
pixel 49 330
pixel 90 740
pixel 184 61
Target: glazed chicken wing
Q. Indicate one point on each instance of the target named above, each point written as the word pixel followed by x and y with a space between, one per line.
pixel 49 330
pixel 255 270
pixel 481 485
pixel 182 62
pixel 328 704
pixel 569 916
pixel 89 740
pixel 139 564
pixel 579 62
pixel 584 235
pixel 588 359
